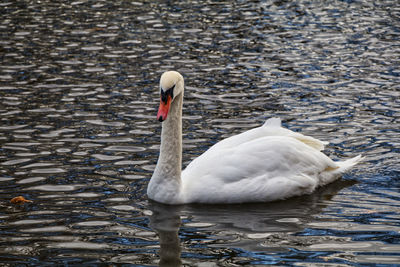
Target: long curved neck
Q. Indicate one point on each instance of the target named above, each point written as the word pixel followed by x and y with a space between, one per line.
pixel 171 140
pixel 165 184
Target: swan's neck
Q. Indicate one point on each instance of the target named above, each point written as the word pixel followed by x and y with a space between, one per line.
pixel 165 184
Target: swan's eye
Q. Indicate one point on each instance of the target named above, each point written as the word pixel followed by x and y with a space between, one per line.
pixel 165 94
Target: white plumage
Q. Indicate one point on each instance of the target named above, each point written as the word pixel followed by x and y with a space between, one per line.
pixel 263 164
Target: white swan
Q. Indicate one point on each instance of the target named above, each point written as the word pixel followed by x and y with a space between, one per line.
pixel 263 164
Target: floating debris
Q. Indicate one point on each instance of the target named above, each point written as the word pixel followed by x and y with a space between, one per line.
pixel 20 200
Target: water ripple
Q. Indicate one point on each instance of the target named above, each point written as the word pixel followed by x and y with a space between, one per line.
pixel 80 139
pixel 55 188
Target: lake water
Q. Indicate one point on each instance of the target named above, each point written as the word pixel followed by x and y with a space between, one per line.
pixel 79 135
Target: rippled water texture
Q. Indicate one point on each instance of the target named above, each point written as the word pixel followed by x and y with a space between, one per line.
pixel 79 137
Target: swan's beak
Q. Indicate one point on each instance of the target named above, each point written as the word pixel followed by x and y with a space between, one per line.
pixel 164 108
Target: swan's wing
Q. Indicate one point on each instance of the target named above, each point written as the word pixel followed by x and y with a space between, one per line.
pixel 272 127
pixel 263 169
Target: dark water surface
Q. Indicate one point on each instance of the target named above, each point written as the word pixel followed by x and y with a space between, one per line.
pixel 79 137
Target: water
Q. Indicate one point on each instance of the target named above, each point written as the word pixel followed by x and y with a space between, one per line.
pixel 79 137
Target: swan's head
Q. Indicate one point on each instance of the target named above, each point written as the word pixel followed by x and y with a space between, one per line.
pixel 171 85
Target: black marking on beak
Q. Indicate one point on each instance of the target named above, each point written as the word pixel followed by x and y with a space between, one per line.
pixel 164 95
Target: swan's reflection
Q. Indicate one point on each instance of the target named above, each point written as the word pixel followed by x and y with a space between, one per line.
pixel 166 221
pixel 284 216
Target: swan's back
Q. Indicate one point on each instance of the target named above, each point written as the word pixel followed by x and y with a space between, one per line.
pixel 272 127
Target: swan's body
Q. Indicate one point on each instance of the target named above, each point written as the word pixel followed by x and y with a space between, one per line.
pixel 266 163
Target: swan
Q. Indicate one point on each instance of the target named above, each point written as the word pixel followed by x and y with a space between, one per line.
pixel 263 164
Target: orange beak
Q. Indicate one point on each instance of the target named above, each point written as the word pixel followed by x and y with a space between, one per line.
pixel 163 109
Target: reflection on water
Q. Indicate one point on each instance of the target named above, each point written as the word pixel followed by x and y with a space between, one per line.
pixel 246 226
pixel 79 137
pixel 166 221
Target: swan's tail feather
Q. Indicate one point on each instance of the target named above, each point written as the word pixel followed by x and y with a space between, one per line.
pixel 347 164
pixel 332 173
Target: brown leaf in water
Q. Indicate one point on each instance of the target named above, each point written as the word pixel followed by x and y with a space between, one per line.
pixel 19 200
